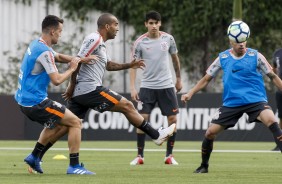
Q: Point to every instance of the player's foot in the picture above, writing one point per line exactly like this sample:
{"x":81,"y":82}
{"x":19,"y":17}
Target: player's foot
{"x":34,"y":164}
{"x":276,"y":149}
{"x":79,"y":169}
{"x":170,"y":160}
{"x":31,"y":171}
{"x":202,"y":169}
{"x":137,"y":161}
{"x":165,"y":133}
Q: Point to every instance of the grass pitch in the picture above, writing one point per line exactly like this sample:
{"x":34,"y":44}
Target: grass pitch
{"x":230,"y":163}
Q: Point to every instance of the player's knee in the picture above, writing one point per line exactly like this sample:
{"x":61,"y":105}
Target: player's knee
{"x":209,"y":134}
{"x":128,"y":106}
{"x":76,"y":123}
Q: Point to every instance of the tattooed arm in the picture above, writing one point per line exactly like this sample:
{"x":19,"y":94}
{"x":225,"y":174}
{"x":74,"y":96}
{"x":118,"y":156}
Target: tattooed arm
{"x":113,"y":66}
{"x":176,"y":66}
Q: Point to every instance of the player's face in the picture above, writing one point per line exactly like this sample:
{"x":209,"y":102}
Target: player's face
{"x":153,"y":26}
{"x":56,"y":33}
{"x":113,"y":29}
{"x":238,"y":49}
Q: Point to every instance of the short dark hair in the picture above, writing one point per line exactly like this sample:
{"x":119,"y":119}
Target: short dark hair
{"x":153,"y":15}
{"x":105,"y":18}
{"x":51,"y":21}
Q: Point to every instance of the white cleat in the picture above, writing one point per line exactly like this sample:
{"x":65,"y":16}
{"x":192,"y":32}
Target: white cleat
{"x":137,"y":161}
{"x":165,"y":133}
{"x":170,"y":160}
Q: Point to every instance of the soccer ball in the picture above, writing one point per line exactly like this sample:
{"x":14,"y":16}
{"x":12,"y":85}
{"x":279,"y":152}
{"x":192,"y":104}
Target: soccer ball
{"x":238,"y":31}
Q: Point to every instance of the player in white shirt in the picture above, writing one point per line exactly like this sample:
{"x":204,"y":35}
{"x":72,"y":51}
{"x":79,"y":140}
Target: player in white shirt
{"x":155,"y":48}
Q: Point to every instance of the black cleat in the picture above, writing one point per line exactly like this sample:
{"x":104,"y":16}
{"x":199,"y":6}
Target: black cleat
{"x":202,"y":169}
{"x":276,"y":149}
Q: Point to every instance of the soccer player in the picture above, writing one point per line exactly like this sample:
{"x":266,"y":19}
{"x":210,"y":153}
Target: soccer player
{"x":86,"y":90}
{"x":244,"y":92}
{"x":277,"y":62}
{"x":37,"y":70}
{"x":157,"y":86}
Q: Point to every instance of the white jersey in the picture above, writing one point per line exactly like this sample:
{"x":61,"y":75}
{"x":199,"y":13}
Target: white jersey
{"x":156,"y":54}
{"x":90,"y":75}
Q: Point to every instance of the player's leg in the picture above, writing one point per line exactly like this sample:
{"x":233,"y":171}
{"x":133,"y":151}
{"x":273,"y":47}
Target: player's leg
{"x":126,"y":107}
{"x":207,"y":147}
{"x":278,"y":97}
{"x":169,"y":158}
{"x":74,"y":139}
{"x":268,"y":118}
{"x":168,"y":104}
{"x":141,"y":137}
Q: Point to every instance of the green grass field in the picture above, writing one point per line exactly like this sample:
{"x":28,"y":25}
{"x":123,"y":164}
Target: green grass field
{"x":111,"y":160}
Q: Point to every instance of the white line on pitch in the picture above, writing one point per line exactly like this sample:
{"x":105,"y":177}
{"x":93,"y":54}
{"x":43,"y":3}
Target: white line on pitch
{"x":149,"y":150}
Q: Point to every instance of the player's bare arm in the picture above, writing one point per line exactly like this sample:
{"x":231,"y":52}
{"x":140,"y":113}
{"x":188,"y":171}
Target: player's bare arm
{"x":275,"y":79}
{"x":113,"y":66}
{"x":58,"y":78}
{"x":199,"y":86}
{"x":70,"y":89}
{"x":176,"y":66}
{"x":133,"y":91}
{"x":62,"y":58}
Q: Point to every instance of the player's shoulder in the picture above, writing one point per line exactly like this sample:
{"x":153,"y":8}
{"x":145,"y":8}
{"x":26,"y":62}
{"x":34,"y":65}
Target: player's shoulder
{"x":93,"y":36}
{"x":252,"y":52}
{"x":142,"y":37}
{"x":165,"y":35}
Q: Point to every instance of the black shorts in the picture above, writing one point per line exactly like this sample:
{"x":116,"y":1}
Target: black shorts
{"x":166,"y":99}
{"x":229,"y":116}
{"x":278,"y":97}
{"x":101,"y":99}
{"x":48,"y":113}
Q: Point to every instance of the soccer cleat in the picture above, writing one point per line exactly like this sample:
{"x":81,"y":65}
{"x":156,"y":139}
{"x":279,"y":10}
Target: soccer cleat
{"x":276,"y":149}
{"x":137,"y":161}
{"x":202,"y":169}
{"x":165,"y":133}
{"x":79,"y":169}
{"x":34,"y":164}
{"x":31,"y":171}
{"x":170,"y":160}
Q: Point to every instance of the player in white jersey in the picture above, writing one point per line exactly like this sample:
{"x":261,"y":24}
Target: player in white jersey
{"x":86,"y":91}
{"x":156,"y":48}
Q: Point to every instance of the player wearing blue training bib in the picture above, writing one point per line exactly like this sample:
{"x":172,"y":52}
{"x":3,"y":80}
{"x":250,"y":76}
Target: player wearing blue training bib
{"x":244,"y":92}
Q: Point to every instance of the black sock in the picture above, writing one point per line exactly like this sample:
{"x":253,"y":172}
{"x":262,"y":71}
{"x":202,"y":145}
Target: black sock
{"x":49,"y":145}
{"x":74,"y":159}
{"x":141,"y":144}
{"x":37,"y":149}
{"x":170,"y":144}
{"x":276,"y":132}
{"x":207,"y":147}
{"x":146,"y":127}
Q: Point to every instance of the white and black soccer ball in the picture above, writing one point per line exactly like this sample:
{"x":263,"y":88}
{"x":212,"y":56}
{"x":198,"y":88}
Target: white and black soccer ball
{"x":238,"y":31}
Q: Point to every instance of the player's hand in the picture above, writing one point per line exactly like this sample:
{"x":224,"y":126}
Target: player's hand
{"x":137,"y":64}
{"x":74,"y":63}
{"x":186,"y":97}
{"x":134,"y":95}
{"x":68,"y":93}
{"x":92,"y":59}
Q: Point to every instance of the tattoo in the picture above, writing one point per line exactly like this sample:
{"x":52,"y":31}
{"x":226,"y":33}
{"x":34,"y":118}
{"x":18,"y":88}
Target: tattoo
{"x":176,"y":66}
{"x":112,"y":66}
{"x":271,"y":75}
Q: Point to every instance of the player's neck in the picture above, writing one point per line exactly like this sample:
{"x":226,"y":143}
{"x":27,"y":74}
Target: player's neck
{"x":46,"y":40}
{"x":155,"y":35}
